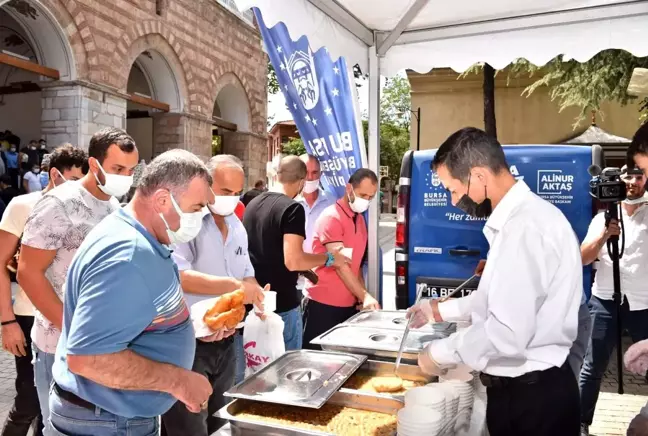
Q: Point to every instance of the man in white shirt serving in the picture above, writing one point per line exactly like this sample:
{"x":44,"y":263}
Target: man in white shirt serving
{"x":634,"y":287}
{"x":524,"y":314}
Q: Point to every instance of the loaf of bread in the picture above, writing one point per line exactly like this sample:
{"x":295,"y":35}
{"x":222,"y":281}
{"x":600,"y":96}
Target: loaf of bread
{"x":227,"y":312}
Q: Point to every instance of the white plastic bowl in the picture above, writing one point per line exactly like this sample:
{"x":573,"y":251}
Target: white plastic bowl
{"x":426,"y":396}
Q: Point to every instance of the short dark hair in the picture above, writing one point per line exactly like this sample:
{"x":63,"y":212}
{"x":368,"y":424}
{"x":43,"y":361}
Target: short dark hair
{"x":13,"y":140}
{"x":469,"y":148}
{"x":68,"y":156}
{"x":639,"y":144}
{"x":104,"y":138}
{"x":259,"y":183}
{"x":5,"y":179}
{"x":361,"y":174}
{"x":291,"y":170}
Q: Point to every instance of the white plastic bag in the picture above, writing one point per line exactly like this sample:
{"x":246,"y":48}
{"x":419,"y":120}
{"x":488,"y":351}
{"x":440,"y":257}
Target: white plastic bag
{"x":263,"y":341}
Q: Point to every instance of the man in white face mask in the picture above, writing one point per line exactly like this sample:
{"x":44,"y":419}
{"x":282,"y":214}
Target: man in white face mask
{"x":214,"y":263}
{"x":340,"y":292}
{"x":313,"y":198}
{"x":56,"y":227}
{"x":127,"y":345}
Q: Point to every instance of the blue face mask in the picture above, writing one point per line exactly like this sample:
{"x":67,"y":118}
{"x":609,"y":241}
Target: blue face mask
{"x":44,"y":179}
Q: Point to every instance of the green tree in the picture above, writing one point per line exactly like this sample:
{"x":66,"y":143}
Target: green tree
{"x":396,"y":102}
{"x":587,"y":85}
{"x":489,"y":73}
{"x":295,"y":147}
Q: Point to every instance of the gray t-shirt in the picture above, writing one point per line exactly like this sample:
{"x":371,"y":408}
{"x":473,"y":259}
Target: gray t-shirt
{"x":60,"y":221}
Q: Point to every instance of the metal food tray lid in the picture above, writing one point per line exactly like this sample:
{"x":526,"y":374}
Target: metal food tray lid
{"x":374,"y":338}
{"x":304,"y":378}
{"x":395,"y":320}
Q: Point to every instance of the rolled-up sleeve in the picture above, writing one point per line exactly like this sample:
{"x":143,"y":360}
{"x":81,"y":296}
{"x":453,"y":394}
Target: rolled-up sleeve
{"x":511,"y":318}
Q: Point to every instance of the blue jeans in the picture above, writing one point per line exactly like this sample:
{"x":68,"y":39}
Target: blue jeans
{"x":602,"y":342}
{"x":579,"y":348}
{"x":68,"y":419}
{"x":293,"y":329}
{"x":240,"y":358}
{"x":43,"y":379}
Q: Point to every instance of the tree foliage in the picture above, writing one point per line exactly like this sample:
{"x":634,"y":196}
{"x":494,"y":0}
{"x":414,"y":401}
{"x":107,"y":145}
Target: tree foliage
{"x":587,"y":85}
{"x":394,"y":142}
{"x":396,"y":102}
{"x":295,"y":147}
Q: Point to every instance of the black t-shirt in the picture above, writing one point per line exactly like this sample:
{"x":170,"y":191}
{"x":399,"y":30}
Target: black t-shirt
{"x":250,"y":195}
{"x":267,"y":219}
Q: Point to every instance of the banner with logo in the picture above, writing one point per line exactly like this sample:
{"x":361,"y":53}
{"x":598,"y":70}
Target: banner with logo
{"x":320,"y":97}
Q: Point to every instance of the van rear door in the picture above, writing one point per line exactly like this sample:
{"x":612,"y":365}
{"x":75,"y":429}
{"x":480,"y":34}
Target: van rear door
{"x":442,"y":245}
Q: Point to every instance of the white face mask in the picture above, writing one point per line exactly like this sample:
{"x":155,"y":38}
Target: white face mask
{"x":190,"y":225}
{"x":311,"y":186}
{"x":224,"y":205}
{"x":115,"y":185}
{"x":359,"y":205}
{"x":634,"y":201}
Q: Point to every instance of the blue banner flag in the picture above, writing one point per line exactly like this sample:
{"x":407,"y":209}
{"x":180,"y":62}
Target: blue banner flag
{"x":319,"y":96}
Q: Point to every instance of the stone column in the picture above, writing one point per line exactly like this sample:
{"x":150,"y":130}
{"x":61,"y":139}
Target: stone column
{"x":73,"y":113}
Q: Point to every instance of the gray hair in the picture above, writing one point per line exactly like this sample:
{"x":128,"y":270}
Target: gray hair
{"x":172,"y":170}
{"x":224,"y":160}
{"x":307,"y":157}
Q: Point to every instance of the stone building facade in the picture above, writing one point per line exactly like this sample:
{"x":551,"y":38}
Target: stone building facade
{"x":174,"y":73}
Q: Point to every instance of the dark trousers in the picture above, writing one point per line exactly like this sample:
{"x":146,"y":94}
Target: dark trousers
{"x":217,"y":362}
{"x":548,"y":406}
{"x":602,"y":343}
{"x":318,"y":318}
{"x":26,"y":409}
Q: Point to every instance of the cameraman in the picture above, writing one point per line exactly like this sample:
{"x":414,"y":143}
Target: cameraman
{"x":634,"y":287}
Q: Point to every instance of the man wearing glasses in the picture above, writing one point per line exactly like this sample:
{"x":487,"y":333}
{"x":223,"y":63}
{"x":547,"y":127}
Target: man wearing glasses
{"x":634,"y":287}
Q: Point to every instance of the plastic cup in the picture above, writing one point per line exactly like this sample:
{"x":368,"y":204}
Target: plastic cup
{"x":269,"y":301}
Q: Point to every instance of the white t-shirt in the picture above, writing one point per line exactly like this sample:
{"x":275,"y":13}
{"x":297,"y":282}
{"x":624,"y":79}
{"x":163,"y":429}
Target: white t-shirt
{"x":13,"y":221}
{"x":632,"y":266}
{"x":61,"y":221}
{"x":33,"y":180}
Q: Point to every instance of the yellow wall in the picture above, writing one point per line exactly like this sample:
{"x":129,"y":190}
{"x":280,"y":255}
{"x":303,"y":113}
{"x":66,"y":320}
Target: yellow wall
{"x":448,"y":104}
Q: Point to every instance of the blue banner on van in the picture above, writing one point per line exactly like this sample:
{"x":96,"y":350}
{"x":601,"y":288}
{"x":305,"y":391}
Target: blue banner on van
{"x":445,"y":245}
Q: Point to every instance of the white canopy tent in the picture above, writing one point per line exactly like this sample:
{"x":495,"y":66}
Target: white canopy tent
{"x":387,"y":36}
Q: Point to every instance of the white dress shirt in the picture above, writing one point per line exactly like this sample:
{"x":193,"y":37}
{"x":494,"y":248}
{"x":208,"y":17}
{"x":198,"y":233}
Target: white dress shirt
{"x":322,"y":201}
{"x":524,"y":314}
{"x":632,"y":266}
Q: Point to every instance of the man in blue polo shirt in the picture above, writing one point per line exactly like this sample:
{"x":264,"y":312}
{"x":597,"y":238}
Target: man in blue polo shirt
{"x":127,"y":345}
{"x":214,"y":263}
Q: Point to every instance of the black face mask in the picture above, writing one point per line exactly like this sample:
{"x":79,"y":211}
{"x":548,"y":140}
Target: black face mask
{"x":474,"y":209}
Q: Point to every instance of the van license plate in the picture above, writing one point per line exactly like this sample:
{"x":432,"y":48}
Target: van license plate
{"x":438,"y":289}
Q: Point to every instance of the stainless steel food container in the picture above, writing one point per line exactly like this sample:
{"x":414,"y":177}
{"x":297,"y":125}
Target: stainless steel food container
{"x":304,"y":378}
{"x":356,"y":400}
{"x":375,"y":342}
{"x":396,"y":320}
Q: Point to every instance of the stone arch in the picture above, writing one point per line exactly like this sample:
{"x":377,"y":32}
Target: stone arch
{"x":56,"y":36}
{"x":226,"y":77}
{"x":157,"y":37}
{"x":233,"y":102}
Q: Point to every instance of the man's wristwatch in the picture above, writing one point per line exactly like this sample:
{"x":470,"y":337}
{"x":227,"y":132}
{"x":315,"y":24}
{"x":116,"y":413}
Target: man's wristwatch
{"x":330,"y":260}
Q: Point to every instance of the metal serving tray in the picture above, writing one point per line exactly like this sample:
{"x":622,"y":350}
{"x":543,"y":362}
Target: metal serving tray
{"x":304,"y":378}
{"x":357,"y":400}
{"x":396,"y":320}
{"x":375,"y":342}
{"x":376,"y":368}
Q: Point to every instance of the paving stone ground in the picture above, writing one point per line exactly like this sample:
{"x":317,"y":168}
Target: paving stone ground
{"x":613,"y":411}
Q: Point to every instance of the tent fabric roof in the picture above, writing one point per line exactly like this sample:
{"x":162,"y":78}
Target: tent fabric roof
{"x":459,"y":33}
{"x":595,"y":135}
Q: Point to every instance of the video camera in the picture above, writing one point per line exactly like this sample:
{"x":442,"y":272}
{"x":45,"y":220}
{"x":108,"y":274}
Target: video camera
{"x":606,"y":185}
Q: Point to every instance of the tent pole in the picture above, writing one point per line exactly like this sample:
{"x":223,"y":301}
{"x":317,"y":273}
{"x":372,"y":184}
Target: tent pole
{"x":374,"y":164}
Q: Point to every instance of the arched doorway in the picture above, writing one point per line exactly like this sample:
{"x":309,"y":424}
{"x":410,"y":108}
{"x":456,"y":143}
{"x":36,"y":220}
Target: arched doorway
{"x":230,"y":116}
{"x":33,"y":51}
{"x":153,"y":92}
